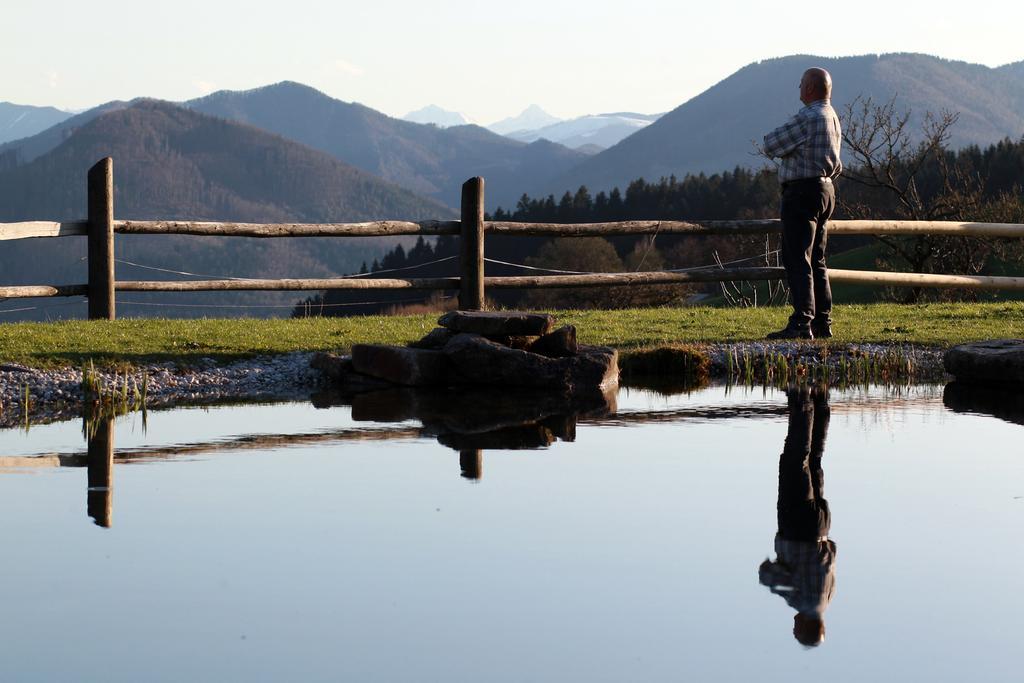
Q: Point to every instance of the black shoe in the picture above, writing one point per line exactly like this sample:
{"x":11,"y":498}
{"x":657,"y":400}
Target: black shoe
{"x":790,"y":333}
{"x":821,"y":330}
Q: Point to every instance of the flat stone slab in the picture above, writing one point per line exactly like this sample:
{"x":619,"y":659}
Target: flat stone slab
{"x":506,"y":323}
{"x":998,"y":361}
{"x":400,"y":364}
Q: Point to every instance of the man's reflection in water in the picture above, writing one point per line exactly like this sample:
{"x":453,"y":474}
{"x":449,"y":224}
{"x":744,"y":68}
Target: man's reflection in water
{"x":804,"y":568}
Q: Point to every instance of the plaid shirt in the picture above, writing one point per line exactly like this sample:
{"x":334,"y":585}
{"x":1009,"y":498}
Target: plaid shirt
{"x":808,"y":144}
{"x":803,"y":574}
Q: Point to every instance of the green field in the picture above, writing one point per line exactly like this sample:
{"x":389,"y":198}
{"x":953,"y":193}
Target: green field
{"x":185,"y":341}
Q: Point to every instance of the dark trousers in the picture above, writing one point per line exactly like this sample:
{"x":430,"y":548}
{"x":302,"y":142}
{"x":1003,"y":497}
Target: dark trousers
{"x":806,"y":207}
{"x":803,"y":511}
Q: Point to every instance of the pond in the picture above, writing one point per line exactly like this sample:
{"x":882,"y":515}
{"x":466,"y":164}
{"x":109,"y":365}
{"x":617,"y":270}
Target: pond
{"x":693,"y":536}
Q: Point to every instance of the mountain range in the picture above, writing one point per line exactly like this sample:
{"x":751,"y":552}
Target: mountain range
{"x":716,"y":129}
{"x":589,"y":134}
{"x":172,"y":162}
{"x":595,"y":131}
{"x":20,"y":121}
{"x":431,"y":161}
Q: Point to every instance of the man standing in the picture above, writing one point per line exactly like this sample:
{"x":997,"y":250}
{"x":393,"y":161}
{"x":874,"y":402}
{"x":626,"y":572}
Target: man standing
{"x":808,"y":147}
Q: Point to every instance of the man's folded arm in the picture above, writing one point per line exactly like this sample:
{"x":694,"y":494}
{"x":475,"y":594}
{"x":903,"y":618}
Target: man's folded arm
{"x":785,"y":139}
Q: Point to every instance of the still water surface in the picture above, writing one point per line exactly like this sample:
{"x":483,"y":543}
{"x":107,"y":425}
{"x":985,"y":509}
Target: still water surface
{"x":282,"y":542}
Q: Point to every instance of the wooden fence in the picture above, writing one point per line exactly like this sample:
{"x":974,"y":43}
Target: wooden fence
{"x":100,"y":228}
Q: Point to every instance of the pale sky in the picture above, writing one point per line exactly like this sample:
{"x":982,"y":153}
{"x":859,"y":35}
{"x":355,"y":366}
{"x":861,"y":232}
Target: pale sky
{"x":487,"y":60}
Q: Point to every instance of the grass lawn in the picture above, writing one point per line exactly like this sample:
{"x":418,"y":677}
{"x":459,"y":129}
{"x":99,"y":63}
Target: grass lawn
{"x":138,"y":340}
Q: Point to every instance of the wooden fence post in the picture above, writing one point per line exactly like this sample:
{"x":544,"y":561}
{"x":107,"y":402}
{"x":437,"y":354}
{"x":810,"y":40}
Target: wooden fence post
{"x":101,"y":240}
{"x":471,"y":244}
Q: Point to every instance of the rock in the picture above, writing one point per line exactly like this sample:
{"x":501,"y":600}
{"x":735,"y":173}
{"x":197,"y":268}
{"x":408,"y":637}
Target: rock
{"x":593,"y":367}
{"x":998,"y":361}
{"x":476,"y":360}
{"x":520,"y":438}
{"x":1003,"y":402}
{"x":435,"y":339}
{"x":508,"y":323}
{"x":521,"y":341}
{"x":400,"y":365}
{"x":390,"y":405}
{"x":557,"y":344}
{"x":502,"y":339}
{"x":332,"y":365}
{"x":342,"y":376}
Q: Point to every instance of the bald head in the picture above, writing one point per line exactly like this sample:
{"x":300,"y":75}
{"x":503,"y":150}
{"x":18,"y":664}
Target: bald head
{"x":815,"y":85}
{"x":808,"y":630}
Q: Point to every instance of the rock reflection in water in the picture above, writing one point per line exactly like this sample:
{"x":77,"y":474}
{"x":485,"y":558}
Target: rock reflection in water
{"x":471,"y":421}
{"x":998,"y":401}
{"x":804,"y":569}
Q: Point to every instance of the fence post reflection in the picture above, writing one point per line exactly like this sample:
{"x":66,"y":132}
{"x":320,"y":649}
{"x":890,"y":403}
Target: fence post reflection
{"x":100,"y":495}
{"x":472,"y":463}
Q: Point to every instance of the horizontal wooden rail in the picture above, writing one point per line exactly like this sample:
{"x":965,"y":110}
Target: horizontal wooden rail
{"x":560,"y":281}
{"x":26,"y":291}
{"x":753,"y":227}
{"x":370,"y":229}
{"x":942,"y":228}
{"x":20,"y":231}
{"x":284,"y":285}
{"x":525,"y":282}
{"x":633,"y":228}
{"x":14,"y":231}
{"x":926,"y":279}
{"x":626,"y":279}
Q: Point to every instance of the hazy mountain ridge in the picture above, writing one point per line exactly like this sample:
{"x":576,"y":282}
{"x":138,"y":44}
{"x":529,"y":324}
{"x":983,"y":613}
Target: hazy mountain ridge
{"x":603,"y":130}
{"x":433,"y":114}
{"x":21,"y":120}
{"x":426,"y":159}
{"x":171,"y":162}
{"x":531,"y":118}
{"x":27,"y":149}
{"x":1015,"y":70}
{"x":715,"y":130}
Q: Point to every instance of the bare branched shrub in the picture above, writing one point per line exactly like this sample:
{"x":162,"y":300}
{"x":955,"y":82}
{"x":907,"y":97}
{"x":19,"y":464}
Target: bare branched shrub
{"x":900,"y":173}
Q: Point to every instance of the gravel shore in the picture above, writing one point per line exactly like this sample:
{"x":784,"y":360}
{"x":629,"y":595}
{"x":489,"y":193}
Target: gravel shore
{"x":57,"y":393}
